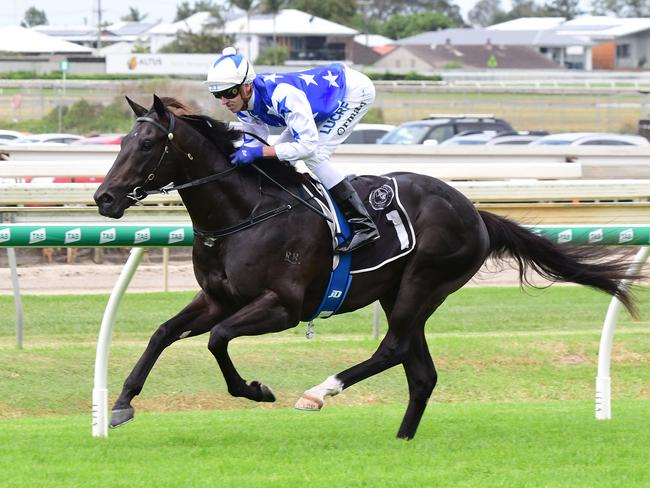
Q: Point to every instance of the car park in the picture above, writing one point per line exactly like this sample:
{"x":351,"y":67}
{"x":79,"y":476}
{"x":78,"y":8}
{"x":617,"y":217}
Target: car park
{"x":440,"y":127}
{"x":368,"y":133}
{"x":7,"y":136}
{"x":591,"y":139}
{"x":51,"y":139}
{"x":110,"y":139}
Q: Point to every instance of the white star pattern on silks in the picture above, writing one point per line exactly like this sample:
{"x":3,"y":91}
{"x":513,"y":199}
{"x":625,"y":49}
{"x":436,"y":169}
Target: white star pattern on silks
{"x":272,"y":111}
{"x":271,"y":77}
{"x":309,"y":79}
{"x":331,"y":78}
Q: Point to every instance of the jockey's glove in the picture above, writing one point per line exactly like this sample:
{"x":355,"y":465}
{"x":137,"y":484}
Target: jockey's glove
{"x":245,"y":155}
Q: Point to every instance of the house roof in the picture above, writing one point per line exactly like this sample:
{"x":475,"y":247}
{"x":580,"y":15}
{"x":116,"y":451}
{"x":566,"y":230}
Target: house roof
{"x":475,"y":37}
{"x":373,"y":40}
{"x":21,"y":40}
{"x":477,"y":56}
{"x":529,"y":23}
{"x":194,"y":23}
{"x":75,"y":33}
{"x":288,"y":22}
{"x":600,"y":27}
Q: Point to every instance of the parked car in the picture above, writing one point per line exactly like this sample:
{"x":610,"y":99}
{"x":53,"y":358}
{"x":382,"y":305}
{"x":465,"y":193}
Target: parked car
{"x":368,"y":133}
{"x":470,"y":138}
{"x":516,"y":138}
{"x":7,"y":136}
{"x":438,"y":128}
{"x":99,"y":139}
{"x":591,"y":139}
{"x":56,"y":139}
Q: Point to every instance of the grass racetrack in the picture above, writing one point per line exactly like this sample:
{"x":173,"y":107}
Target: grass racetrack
{"x":513,"y":406}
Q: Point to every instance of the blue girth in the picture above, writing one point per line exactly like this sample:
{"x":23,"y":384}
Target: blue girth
{"x":340,"y":278}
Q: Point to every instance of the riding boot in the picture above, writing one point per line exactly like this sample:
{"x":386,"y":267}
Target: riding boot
{"x":364,"y":230}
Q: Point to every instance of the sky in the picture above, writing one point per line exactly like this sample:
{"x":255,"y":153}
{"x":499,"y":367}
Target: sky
{"x":85,"y":11}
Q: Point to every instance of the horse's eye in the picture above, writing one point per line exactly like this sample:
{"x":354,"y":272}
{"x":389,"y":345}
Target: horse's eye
{"x":146,"y":145}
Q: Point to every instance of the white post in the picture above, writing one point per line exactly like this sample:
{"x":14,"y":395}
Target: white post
{"x":603,"y":380}
{"x":100,"y":386}
{"x":375,"y":320}
{"x":13,"y":267}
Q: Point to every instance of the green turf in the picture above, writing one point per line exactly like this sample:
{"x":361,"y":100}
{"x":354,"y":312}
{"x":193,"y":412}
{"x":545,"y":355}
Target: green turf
{"x":513,"y":407}
{"x":481,"y":445}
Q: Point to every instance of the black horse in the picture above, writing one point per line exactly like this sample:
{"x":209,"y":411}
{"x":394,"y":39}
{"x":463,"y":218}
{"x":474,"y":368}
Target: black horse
{"x":250,"y":287}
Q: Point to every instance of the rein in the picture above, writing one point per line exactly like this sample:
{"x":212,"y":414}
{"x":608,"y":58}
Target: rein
{"x":138,"y":193}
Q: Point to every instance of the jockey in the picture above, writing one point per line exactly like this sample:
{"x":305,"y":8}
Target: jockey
{"x":319,"y":107}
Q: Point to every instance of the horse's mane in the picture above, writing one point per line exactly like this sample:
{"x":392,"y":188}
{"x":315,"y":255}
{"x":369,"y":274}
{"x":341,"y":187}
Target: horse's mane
{"x":223,"y":137}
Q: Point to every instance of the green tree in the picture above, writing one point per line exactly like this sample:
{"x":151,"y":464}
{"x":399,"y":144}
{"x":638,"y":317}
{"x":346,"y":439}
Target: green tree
{"x":273,"y":7}
{"x":484,"y":12}
{"x":621,"y":8}
{"x":381,"y":10}
{"x":249,"y":7}
{"x":185,"y":10}
{"x":134,"y":15}
{"x":339,"y":11}
{"x":522,"y":8}
{"x":563,"y":8}
{"x":400,"y":26}
{"x":34,"y":17}
{"x":206,"y":41}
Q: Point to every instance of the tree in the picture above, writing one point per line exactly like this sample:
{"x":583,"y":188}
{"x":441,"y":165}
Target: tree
{"x":400,"y":26}
{"x":185,"y":10}
{"x":34,"y":17}
{"x":196,"y":43}
{"x":563,"y":8}
{"x":273,"y":7}
{"x":381,"y":10}
{"x":621,"y":8}
{"x":134,"y":15}
{"x":247,"y":6}
{"x":522,"y":8}
{"x":339,"y":11}
{"x":484,"y":12}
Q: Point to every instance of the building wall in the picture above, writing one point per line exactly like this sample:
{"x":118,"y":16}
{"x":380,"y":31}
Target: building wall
{"x":402,"y":60}
{"x":638,"y":50}
{"x":603,"y":56}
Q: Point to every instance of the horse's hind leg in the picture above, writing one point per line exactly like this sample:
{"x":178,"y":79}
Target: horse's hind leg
{"x":422,"y":377}
{"x":197,"y":318}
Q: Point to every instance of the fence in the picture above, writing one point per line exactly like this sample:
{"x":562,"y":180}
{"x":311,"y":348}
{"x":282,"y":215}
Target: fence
{"x":164,"y":223}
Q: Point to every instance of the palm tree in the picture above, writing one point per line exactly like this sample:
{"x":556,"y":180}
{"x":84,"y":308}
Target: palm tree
{"x":134,"y":15}
{"x":247,"y":6}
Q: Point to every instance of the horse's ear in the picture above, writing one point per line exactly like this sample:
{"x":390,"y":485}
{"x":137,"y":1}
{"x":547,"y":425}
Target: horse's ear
{"x":159,"y":106}
{"x":139,"y":110}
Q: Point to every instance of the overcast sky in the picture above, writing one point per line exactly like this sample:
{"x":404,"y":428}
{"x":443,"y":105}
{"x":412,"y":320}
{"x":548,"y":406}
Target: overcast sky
{"x":85,"y":11}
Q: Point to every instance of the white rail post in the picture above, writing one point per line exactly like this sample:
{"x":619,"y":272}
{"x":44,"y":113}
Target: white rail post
{"x":100,"y":386}
{"x":603,"y":380}
{"x":13,"y":266}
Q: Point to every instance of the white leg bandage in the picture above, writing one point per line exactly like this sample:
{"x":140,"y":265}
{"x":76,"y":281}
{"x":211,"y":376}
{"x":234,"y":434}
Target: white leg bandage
{"x":330,"y":387}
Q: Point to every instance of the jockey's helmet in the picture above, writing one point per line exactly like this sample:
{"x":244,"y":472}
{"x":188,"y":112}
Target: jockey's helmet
{"x":229,"y":70}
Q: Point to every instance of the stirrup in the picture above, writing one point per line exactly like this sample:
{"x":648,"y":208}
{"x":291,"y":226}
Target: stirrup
{"x":347,"y":247}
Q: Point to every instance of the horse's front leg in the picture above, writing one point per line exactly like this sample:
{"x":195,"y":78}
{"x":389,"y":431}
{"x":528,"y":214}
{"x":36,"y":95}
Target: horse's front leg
{"x":197,"y":318}
{"x":263,"y":315}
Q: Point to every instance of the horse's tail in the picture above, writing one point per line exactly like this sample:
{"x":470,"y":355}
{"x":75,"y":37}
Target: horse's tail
{"x":585,"y":265}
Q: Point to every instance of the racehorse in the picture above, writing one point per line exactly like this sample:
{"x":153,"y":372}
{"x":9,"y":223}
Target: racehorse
{"x":262,"y":275}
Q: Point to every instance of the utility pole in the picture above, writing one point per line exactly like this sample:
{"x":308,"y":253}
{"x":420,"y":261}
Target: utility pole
{"x":99,"y":25}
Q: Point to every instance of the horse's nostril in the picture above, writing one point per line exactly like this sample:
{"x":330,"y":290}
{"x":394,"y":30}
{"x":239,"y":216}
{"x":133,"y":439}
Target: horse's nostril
{"x":104,"y":199}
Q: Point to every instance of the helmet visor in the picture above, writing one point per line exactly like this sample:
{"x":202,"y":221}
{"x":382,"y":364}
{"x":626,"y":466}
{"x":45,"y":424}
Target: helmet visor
{"x":228,"y":93}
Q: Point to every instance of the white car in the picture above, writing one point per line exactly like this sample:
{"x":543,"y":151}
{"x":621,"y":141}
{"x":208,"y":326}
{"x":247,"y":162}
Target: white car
{"x":368,"y":133}
{"x":7,"y":136}
{"x":590,"y":139}
{"x":52,"y":139}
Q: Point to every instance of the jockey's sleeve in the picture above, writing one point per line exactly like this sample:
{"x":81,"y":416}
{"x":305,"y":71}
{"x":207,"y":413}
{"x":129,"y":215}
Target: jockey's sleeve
{"x":254,"y":126}
{"x":291,"y":104}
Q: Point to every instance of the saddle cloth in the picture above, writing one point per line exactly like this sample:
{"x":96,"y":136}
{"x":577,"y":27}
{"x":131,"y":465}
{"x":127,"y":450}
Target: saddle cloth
{"x":380,"y":195}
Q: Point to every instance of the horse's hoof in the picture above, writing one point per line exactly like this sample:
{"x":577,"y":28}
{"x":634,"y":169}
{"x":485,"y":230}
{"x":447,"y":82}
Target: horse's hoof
{"x":309,"y":403}
{"x":121,"y":416}
{"x":267,"y":393}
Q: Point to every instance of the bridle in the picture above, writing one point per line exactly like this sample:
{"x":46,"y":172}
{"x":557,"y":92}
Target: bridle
{"x":139,"y":193}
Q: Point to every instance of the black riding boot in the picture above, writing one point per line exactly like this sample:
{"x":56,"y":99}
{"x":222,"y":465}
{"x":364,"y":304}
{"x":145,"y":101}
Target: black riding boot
{"x":364,"y":230}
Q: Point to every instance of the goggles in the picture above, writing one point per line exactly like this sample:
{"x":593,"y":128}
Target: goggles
{"x":233,"y":91}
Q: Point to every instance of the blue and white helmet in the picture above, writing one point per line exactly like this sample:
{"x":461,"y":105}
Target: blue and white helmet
{"x":228,"y":70}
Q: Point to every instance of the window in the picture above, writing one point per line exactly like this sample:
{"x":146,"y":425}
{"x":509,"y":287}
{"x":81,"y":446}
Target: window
{"x":623,"y":51}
